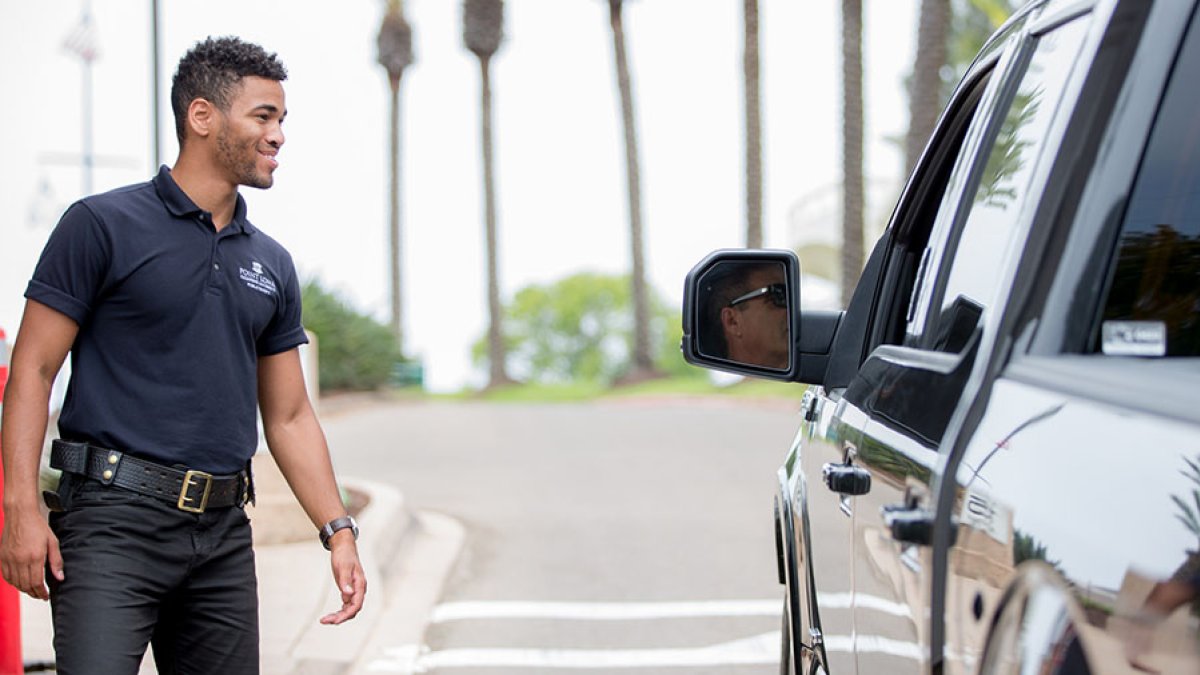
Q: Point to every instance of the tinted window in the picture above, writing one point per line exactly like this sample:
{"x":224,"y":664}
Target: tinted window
{"x":989,"y":232}
{"x":1153,"y":303}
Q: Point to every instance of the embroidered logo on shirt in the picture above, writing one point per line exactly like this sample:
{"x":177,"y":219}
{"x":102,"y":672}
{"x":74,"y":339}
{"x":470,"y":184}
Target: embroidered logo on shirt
{"x":256,"y":279}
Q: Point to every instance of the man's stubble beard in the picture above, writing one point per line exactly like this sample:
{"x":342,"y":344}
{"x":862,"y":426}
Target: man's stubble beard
{"x":244,"y":171}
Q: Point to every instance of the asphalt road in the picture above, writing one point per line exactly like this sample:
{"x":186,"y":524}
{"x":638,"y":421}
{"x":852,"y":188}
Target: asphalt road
{"x":622,"y":537}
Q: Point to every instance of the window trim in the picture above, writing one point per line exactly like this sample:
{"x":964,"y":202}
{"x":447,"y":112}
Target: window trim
{"x":948,"y":232}
{"x":896,"y":301}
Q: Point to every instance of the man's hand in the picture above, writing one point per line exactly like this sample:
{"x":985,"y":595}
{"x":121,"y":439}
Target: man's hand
{"x":349,"y":577}
{"x":25,"y":547}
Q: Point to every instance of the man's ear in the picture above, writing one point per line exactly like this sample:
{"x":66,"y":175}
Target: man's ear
{"x":731,"y":321}
{"x":202,"y":117}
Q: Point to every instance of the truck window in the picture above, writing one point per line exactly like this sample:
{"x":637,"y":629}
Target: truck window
{"x":1152,"y":306}
{"x":988,"y":236}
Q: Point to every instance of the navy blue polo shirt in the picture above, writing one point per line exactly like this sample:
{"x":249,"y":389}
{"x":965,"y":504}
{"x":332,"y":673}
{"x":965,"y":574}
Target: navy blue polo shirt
{"x":172,"y":316}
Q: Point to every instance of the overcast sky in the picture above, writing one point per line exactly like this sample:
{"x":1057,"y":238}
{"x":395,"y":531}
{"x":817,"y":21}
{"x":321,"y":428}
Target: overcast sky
{"x":559,"y":155}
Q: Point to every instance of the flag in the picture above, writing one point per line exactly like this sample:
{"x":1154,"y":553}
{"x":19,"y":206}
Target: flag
{"x":83,"y":40}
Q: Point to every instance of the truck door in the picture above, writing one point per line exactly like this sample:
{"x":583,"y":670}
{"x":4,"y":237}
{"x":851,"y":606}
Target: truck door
{"x":910,"y":391}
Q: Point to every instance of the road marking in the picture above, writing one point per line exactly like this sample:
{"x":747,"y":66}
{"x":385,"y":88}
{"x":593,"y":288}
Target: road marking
{"x":759,"y":649}
{"x":604,"y":611}
{"x":755,"y":650}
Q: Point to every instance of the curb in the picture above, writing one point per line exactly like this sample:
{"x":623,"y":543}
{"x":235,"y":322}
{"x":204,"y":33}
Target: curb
{"x":296,"y":589}
{"x":414,"y":583}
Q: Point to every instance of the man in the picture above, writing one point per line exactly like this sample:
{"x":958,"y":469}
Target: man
{"x":180,"y":316}
{"x":746,"y":315}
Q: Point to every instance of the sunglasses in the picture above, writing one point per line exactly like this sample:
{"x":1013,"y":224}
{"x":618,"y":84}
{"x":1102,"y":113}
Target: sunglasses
{"x":776,"y":293}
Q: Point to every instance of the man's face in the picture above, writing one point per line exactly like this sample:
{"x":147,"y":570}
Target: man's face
{"x":251,"y":132}
{"x":760,"y":327}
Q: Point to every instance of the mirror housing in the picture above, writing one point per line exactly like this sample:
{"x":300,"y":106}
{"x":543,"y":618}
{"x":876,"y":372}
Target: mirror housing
{"x":807,"y":338}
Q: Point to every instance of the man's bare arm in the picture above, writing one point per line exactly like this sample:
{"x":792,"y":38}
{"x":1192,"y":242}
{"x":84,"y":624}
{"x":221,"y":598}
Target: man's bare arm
{"x":298,"y":445}
{"x":27,"y":543}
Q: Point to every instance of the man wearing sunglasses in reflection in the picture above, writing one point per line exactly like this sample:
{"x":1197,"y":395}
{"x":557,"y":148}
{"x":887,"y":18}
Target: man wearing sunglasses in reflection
{"x":751,"y":306}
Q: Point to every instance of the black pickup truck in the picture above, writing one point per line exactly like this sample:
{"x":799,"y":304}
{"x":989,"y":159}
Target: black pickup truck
{"x":998,"y":466}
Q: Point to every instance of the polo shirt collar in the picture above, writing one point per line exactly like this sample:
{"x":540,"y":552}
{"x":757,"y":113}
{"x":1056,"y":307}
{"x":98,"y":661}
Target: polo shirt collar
{"x":180,"y":205}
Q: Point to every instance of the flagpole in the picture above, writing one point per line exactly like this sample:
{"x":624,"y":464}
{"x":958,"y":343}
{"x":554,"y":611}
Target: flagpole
{"x":88,"y":160}
{"x":154,"y":108}
{"x":88,"y":56}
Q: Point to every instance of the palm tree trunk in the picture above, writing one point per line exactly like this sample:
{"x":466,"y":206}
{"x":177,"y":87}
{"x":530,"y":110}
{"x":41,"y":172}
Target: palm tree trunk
{"x":394,"y":215}
{"x":643,"y":363}
{"x":925,"y":86}
{"x":852,"y":147}
{"x":498,"y":375}
{"x":750,"y":63}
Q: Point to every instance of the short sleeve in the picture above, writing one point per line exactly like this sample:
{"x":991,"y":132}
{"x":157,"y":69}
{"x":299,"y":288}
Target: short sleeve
{"x":285,"y":330}
{"x":71,"y":272}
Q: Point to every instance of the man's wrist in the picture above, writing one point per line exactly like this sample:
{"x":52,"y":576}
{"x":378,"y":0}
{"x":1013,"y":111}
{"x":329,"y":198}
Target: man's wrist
{"x":336,"y":528}
{"x":16,"y":505}
{"x":341,"y":538}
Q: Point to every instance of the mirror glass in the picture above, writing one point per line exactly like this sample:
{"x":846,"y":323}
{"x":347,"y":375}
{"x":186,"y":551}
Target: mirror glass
{"x":742,"y":314}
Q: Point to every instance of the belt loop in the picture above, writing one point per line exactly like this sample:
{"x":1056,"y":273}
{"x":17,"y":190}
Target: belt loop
{"x":248,"y":484}
{"x":69,"y":456}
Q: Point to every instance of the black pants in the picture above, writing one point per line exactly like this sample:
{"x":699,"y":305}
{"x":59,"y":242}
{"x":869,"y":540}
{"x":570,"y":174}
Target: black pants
{"x":139,"y":571}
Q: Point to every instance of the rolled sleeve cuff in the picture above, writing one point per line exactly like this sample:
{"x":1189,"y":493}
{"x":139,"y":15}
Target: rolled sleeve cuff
{"x":282,"y":343}
{"x":57,"y":300}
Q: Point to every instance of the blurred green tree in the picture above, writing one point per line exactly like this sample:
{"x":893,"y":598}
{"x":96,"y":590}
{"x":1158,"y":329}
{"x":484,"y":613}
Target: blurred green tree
{"x":580,"y":329}
{"x":949,"y":34}
{"x":753,"y":122}
{"x":356,"y":351}
{"x":483,"y":33}
{"x":643,"y":359}
{"x":925,"y":85}
{"x":852,"y":146}
{"x":395,"y":53}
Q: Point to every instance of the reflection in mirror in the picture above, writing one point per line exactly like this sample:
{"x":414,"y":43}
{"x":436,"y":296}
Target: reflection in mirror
{"x":742,"y":312}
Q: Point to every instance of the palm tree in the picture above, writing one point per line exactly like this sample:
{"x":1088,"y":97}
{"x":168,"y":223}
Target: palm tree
{"x":483,"y":31}
{"x":754,"y":238}
{"x":852,"y":147}
{"x":643,"y":362}
{"x":925,"y":86}
{"x":395,"y":54}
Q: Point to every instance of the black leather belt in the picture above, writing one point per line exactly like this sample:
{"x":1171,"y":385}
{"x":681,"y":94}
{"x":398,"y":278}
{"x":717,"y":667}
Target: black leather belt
{"x":189,"y":490}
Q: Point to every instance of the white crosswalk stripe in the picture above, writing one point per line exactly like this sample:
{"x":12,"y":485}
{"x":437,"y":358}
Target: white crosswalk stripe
{"x":604,"y":611}
{"x":758,"y":649}
{"x":761,"y":649}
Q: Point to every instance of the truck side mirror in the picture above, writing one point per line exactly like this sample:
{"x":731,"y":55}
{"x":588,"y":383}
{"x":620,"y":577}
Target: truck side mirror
{"x":741,"y":314}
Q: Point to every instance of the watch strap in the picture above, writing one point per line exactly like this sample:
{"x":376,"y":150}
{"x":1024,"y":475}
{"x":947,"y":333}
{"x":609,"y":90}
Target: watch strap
{"x":336,"y":525}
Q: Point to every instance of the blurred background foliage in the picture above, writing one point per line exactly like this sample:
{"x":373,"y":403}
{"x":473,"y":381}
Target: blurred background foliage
{"x":580,"y":328}
{"x":356,"y":352}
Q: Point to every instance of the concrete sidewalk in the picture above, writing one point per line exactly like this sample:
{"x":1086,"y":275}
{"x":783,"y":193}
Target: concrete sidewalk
{"x":406,"y":558}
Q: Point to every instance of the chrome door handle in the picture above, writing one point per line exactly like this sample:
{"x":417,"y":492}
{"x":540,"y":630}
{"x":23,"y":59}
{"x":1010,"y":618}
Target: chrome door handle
{"x":846,"y":479}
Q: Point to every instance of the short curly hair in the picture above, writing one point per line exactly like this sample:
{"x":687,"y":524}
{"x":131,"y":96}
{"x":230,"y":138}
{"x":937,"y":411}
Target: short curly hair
{"x":213,"y":68}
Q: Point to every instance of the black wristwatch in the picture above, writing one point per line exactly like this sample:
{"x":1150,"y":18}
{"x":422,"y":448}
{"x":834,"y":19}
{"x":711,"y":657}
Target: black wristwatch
{"x":336,"y":525}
